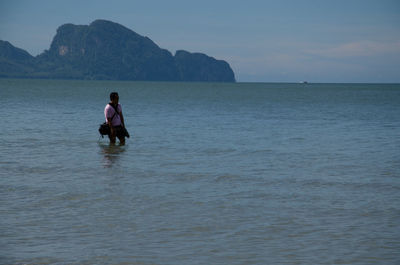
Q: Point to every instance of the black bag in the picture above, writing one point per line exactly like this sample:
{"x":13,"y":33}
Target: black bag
{"x":104,"y":129}
{"x":126,"y":132}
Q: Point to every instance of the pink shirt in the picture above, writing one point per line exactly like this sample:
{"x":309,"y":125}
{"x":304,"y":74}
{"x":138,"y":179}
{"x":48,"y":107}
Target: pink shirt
{"x":109,"y":112}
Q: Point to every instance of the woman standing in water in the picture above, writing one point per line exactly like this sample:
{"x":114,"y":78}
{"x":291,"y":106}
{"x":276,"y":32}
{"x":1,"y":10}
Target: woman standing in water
{"x":115,"y":119}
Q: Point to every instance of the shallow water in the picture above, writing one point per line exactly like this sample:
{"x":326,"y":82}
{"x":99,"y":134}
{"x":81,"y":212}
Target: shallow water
{"x":213,"y":174}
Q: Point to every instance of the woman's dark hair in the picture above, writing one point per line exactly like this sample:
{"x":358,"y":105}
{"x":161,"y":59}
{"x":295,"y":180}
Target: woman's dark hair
{"x":113,"y":95}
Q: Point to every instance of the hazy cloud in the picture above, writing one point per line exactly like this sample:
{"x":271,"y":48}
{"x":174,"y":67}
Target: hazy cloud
{"x":357,"y":49}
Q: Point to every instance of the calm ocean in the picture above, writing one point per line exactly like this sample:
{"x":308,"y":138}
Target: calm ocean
{"x":239,"y":173}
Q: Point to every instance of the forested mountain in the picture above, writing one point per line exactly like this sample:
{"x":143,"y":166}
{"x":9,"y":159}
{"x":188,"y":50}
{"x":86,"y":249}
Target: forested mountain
{"x":109,"y":51}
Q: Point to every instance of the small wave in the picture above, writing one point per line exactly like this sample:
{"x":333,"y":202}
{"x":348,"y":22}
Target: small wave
{"x":226,"y":177}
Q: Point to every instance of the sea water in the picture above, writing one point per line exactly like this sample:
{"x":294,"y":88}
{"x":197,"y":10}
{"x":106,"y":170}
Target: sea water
{"x":239,"y":173}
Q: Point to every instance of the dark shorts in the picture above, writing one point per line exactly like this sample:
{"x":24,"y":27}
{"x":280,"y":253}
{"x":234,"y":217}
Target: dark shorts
{"x":119,"y":131}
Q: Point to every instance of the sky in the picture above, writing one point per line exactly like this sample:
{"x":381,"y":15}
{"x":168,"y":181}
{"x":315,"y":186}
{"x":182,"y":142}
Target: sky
{"x":332,"y":41}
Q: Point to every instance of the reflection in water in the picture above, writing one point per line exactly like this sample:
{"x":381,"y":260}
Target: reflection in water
{"x":111,"y":153}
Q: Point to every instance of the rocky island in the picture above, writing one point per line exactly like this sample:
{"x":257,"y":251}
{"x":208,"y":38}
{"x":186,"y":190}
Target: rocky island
{"x":105,"y":50}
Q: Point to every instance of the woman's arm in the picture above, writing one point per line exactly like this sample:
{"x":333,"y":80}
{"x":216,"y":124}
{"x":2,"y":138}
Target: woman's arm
{"x":122,"y":119}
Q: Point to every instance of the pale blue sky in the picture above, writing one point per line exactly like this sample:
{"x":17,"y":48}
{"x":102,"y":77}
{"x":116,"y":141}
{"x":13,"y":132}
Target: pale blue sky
{"x":263,"y":41}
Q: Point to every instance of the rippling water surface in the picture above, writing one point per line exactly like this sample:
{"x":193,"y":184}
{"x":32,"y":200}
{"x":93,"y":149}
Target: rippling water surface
{"x":213,"y":174}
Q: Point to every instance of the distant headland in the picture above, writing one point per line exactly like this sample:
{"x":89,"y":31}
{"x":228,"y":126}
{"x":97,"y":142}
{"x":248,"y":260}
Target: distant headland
{"x":105,"y":50}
